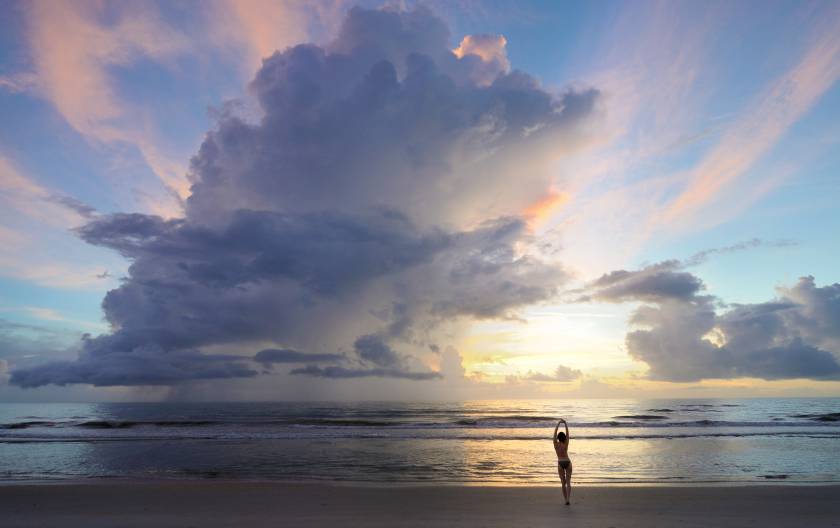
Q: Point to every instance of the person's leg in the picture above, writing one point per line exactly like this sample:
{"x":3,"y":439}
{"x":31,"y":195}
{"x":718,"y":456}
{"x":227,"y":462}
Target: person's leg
{"x":569,"y":482}
{"x":562,"y":473}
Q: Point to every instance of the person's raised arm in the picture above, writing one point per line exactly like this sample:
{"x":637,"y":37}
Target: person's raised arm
{"x":567,"y":432}
{"x":554,"y":436}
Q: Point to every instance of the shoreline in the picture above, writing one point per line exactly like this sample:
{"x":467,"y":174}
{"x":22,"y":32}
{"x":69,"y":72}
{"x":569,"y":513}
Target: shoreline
{"x":93,"y":481}
{"x":246,"y":503}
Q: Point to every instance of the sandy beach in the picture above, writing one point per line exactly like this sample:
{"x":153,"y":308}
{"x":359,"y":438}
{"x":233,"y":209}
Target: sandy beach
{"x":220,"y":503}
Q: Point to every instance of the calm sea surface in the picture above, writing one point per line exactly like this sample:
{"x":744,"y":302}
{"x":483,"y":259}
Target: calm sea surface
{"x":495,"y":442}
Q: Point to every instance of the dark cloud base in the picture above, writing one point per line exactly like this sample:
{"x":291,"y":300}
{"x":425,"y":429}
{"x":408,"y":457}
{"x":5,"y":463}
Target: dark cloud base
{"x":271,"y":356}
{"x":335,"y":372}
{"x":142,"y":366}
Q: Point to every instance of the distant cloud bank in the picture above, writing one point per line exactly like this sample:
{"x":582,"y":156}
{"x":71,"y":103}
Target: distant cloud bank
{"x":682,"y":337}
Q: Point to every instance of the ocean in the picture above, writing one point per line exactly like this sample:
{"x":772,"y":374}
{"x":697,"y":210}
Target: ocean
{"x":507,"y":442}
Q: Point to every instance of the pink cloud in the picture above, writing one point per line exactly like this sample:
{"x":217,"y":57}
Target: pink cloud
{"x":623,"y":193}
{"x":490,"y":49}
{"x":258,"y":28}
{"x":760,"y":128}
{"x":73,"y":46}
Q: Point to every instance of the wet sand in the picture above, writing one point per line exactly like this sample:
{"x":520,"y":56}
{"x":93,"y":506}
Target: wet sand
{"x":244,"y":504}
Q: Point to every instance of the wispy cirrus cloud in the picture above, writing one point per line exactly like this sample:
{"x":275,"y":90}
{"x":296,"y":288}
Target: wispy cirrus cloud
{"x":79,"y":50}
{"x":27,"y":197}
{"x":19,"y":82}
{"x":649,"y":65}
{"x":76,"y":45}
{"x":258,"y":28}
{"x":761,"y":126}
{"x":34,"y":223}
{"x":665,"y":168}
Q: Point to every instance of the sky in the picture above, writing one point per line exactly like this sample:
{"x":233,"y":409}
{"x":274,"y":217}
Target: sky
{"x":283,"y":200}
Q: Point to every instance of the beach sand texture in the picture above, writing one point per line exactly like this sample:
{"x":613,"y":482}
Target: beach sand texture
{"x":244,"y":504}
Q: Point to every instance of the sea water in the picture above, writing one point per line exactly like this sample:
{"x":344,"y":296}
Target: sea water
{"x":478,"y":442}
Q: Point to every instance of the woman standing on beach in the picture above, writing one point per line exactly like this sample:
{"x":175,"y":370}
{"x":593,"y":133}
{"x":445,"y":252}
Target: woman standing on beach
{"x":564,"y":463}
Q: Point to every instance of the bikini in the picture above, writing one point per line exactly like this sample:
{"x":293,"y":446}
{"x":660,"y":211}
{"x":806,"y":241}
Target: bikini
{"x":564,"y":463}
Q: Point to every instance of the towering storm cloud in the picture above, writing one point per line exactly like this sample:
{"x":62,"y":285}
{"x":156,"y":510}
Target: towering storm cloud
{"x":378,"y":199}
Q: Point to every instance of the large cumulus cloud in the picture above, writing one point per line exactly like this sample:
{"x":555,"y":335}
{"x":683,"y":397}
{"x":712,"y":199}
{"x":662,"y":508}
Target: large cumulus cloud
{"x":684,"y":334}
{"x":378,"y":198}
